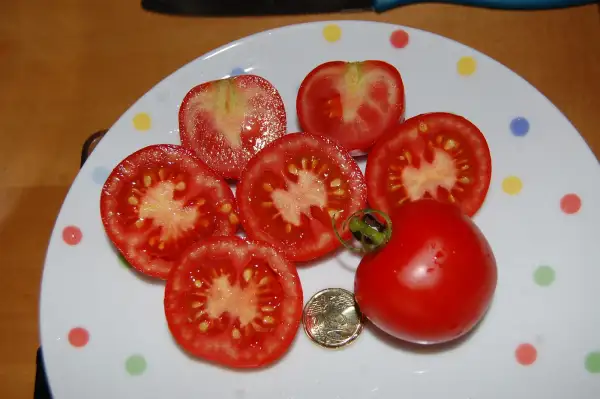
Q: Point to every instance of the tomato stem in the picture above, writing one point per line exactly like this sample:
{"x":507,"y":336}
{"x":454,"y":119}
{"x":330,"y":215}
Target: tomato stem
{"x":367,"y":230}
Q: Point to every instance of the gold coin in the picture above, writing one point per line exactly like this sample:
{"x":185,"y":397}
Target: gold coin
{"x":332,"y":318}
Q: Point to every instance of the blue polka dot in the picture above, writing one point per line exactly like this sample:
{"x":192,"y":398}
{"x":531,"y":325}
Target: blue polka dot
{"x":100,"y":174}
{"x":237,"y":71}
{"x":519,"y":126}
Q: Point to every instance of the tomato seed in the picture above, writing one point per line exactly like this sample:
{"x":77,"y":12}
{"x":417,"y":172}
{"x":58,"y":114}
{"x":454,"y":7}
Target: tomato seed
{"x":247,"y":274}
{"x":267,"y":187}
{"x":450,"y":144}
{"x":335,"y":183}
{"x":293,"y":169}
{"x":133,"y":200}
{"x":198,"y":283}
{"x":268,"y":320}
{"x":161,"y":174}
{"x":235,"y":333}
{"x":226,"y":208}
{"x":233,"y":219}
{"x":267,"y":204}
{"x":396,"y":187}
{"x":196,"y":305}
{"x":339,"y":192}
{"x":464,"y":180}
{"x":201,"y":202}
{"x":288,"y":228}
{"x":304,"y":163}
{"x":263,"y":281}
{"x":147,"y":181}
{"x":180,"y":186}
{"x":267,"y":309}
{"x":203,"y":326}
{"x":139,"y":223}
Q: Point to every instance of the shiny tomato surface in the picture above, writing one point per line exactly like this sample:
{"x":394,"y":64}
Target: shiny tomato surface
{"x":435,"y":278}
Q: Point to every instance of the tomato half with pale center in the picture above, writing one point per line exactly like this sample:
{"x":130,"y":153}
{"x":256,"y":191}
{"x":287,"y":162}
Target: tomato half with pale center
{"x":234,"y":302}
{"x":225,"y":122}
{"x":293,"y":190}
{"x":436,"y":155}
{"x":353,"y":103}
{"x":160,"y":200}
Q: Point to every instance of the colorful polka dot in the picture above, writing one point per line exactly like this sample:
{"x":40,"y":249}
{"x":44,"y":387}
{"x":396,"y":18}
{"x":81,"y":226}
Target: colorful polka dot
{"x":72,"y":235}
{"x":237,"y":71}
{"x":135,"y":365}
{"x":466,"y":66}
{"x":100,"y":174}
{"x":526,"y":354}
{"x":399,"y":38}
{"x":544,"y":276}
{"x":332,"y":33}
{"x":570,"y":204}
{"x":519,"y":126}
{"x":512,"y":185}
{"x":79,"y":337}
{"x":142,"y":121}
{"x":592,"y":362}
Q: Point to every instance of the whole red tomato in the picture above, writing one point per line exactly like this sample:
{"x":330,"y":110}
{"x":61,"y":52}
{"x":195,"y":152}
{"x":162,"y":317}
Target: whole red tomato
{"x":433,"y":280}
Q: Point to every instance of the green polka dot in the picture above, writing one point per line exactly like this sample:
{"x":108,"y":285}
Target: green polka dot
{"x":544,"y":276}
{"x":592,"y":362}
{"x":135,"y":365}
{"x":123,"y":262}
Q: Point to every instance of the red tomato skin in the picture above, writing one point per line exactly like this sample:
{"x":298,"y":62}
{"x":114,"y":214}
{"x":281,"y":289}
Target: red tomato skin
{"x":284,"y":335}
{"x":435,"y":279}
{"x":369,"y":138}
{"x":225,"y":160}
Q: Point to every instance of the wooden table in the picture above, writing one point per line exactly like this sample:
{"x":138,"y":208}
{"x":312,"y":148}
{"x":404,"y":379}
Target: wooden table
{"x":69,"y":68}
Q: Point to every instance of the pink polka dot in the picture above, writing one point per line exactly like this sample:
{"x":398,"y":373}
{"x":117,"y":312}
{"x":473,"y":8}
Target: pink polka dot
{"x":399,"y":38}
{"x":526,"y":354}
{"x":79,"y":337}
{"x":570,"y":203}
{"x":72,"y":235}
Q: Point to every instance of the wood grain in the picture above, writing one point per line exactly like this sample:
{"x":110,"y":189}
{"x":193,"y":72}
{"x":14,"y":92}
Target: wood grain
{"x":69,"y":68}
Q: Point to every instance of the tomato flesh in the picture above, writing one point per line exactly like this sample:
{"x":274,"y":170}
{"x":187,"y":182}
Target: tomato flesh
{"x":433,"y":281}
{"x":234,"y":302}
{"x":293,"y":190}
{"x":353,"y":103}
{"x":160,"y":200}
{"x":227,"y":121}
{"x":437,"y":155}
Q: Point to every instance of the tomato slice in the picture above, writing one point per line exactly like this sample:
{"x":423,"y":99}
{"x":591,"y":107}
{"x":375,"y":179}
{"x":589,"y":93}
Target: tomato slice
{"x":225,"y":122}
{"x":435,"y":155}
{"x":161,"y":199}
{"x":292,"y":191}
{"x":234,"y":302}
{"x":353,"y":103}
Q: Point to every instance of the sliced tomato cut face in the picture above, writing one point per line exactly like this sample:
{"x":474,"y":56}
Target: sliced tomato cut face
{"x":436,"y":155}
{"x":294,"y":189}
{"x":160,"y":200}
{"x":353,"y":103}
{"x":225,"y":122}
{"x":233,"y":302}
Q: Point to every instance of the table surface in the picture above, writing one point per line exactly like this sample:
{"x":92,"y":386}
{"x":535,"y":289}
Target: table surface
{"x":69,"y":68}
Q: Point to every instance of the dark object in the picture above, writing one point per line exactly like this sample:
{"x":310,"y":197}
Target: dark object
{"x":252,"y":7}
{"x":42,"y":389}
{"x":90,"y":144}
{"x":230,"y":8}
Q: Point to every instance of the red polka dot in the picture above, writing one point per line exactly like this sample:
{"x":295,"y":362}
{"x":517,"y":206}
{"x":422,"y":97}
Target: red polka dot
{"x":72,"y":235}
{"x":570,"y":203}
{"x":79,"y":337}
{"x":399,"y":38}
{"x":526,"y":354}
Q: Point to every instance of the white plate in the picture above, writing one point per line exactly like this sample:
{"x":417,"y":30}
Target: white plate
{"x":540,"y":339}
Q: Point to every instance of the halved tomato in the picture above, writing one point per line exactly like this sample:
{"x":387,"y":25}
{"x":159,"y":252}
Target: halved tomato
{"x":294,"y":189}
{"x":353,"y":103}
{"x":225,"y":122}
{"x":234,"y":302}
{"x":161,"y":199}
{"x":436,"y":155}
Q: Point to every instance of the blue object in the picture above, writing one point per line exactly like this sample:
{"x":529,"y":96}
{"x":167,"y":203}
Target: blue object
{"x":383,"y":5}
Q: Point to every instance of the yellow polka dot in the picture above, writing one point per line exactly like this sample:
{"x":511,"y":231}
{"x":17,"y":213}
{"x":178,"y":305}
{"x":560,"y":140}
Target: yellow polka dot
{"x":512,"y":185}
{"x":332,"y":33}
{"x":466,"y":66}
{"x":142,"y":121}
